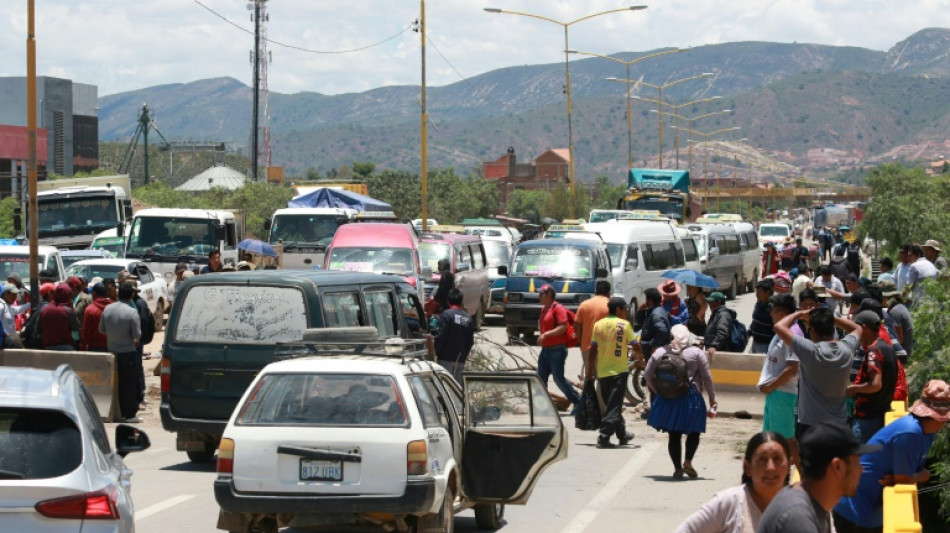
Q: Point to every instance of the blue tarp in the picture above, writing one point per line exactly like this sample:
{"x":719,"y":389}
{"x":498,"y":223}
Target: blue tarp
{"x":327,"y":197}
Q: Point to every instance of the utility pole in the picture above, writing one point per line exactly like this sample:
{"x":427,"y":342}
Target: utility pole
{"x":257,"y":88}
{"x":423,"y":119}
{"x":31,"y":149}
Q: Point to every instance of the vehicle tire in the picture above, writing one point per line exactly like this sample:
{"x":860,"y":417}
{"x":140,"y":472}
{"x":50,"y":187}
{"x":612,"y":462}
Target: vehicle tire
{"x":512,"y":334}
{"x":203,"y":456}
{"x":159,"y":315}
{"x":489,"y":515}
{"x":441,"y":522}
{"x":731,"y":293}
{"x":635,"y":391}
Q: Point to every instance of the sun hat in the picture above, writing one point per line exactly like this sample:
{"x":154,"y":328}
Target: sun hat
{"x":932,"y":244}
{"x":668,"y":288}
{"x":934,"y":401}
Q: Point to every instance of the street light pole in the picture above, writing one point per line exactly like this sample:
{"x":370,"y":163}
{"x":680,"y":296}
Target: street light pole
{"x":31,"y":149}
{"x":423,"y":122}
{"x":629,"y":81}
{"x":567,"y":78}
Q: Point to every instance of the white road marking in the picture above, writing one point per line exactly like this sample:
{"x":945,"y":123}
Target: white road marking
{"x":161,"y":506}
{"x":612,"y":489}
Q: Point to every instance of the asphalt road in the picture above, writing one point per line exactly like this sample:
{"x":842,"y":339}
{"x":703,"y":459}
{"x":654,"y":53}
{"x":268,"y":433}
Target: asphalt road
{"x":593,"y":490}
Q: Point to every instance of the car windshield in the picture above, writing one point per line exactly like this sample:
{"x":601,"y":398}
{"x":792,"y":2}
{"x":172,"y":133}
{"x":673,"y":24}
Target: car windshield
{"x":379,"y":260}
{"x":113,"y":245}
{"x":70,"y":259}
{"x":324,"y":399}
{"x":304,"y":229}
{"x":615,"y":251}
{"x":172,"y":237}
{"x":774,"y":231}
{"x":668,"y":207}
{"x":603,"y":216}
{"x":94,"y":271}
{"x":431,"y":252}
{"x":498,"y":253}
{"x":19,"y":263}
{"x":75,"y":215}
{"x":37,"y":443}
{"x":552,"y":262}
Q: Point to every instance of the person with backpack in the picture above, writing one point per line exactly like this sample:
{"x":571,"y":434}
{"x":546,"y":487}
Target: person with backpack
{"x":553,"y":325}
{"x":677,"y":375}
{"x":719,"y":329}
{"x":854,"y":257}
{"x":607,"y":361}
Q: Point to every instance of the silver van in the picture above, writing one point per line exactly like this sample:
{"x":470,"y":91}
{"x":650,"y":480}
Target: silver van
{"x":720,"y":254}
{"x":751,"y":255}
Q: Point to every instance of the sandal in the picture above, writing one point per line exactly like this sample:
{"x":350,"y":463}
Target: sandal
{"x":678,"y":473}
{"x":690,"y":471}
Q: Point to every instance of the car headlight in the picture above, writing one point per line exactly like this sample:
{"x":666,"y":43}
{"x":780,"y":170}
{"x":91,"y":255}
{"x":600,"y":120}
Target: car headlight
{"x":515,"y":297}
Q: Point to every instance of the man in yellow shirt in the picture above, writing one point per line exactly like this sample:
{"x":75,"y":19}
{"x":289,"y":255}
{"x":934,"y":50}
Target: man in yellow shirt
{"x":609,"y":349}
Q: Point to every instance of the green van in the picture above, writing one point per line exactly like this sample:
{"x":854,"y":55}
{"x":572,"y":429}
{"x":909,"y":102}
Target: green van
{"x":224,"y":328}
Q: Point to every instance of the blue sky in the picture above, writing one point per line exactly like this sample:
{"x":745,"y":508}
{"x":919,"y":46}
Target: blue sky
{"x":121,"y":45}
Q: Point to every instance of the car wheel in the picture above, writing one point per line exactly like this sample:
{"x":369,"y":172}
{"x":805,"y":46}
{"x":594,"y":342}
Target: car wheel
{"x":512,"y":334}
{"x":159,"y":315}
{"x":731,"y":293}
{"x":489,"y":515}
{"x":202,"y":456}
{"x":441,"y":522}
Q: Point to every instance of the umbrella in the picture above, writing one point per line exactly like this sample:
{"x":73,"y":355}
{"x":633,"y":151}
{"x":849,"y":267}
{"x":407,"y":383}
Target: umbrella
{"x":691,"y":277}
{"x":257,"y":247}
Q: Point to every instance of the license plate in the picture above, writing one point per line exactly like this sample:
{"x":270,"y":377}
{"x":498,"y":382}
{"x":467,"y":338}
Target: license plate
{"x":314,"y":470}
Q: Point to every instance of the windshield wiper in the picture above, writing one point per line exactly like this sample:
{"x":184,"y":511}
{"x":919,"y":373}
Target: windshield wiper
{"x":7,"y":474}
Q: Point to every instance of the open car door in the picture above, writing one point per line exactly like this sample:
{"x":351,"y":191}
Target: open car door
{"x":512,"y":433}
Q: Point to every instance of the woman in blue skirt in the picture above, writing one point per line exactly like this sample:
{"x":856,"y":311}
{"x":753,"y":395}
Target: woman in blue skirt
{"x":685,"y":415}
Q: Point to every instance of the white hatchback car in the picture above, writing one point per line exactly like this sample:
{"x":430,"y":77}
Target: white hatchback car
{"x":58,"y":471}
{"x":154,"y":289}
{"x":348,"y":439}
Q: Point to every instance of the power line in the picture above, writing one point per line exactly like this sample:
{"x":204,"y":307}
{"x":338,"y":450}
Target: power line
{"x":301,"y":48}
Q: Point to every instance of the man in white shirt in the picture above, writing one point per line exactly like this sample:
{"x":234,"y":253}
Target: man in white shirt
{"x":920,"y":269}
{"x":802,"y":281}
{"x":903,"y":268}
{"x":832,"y":284}
{"x":8,"y":312}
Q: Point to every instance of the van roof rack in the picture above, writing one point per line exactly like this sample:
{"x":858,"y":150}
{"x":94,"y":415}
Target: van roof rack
{"x":352,"y":341}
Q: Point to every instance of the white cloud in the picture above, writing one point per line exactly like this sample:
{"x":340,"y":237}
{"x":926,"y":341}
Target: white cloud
{"x":129,"y":44}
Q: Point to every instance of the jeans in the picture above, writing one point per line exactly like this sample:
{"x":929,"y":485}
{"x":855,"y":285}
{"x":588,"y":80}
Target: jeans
{"x":612,"y":389}
{"x":865,"y":428}
{"x":551,"y":361}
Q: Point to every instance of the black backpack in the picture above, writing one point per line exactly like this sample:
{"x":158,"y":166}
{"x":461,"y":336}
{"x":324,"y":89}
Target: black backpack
{"x":30,"y":336}
{"x":738,"y":337}
{"x":854,"y":258}
{"x":672,"y":378}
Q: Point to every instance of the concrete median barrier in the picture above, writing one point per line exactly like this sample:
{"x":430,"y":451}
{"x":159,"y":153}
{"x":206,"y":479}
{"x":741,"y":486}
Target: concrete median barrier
{"x":735,"y":376}
{"x":96,"y":369}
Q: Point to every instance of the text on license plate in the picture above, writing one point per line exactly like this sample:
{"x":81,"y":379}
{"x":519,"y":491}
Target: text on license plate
{"x":314,"y":470}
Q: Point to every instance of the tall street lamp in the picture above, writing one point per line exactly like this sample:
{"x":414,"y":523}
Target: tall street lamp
{"x":705,"y":137}
{"x":659,"y":100}
{"x":676,"y":116}
{"x":567,"y":76}
{"x":629,"y":81}
{"x":690,"y":120}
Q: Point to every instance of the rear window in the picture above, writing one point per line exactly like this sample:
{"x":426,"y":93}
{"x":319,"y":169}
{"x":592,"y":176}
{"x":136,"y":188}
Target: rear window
{"x":241,"y":314}
{"x":326,"y":399}
{"x":37,"y":444}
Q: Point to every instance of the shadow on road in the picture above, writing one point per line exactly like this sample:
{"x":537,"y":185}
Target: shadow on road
{"x":189,"y":466}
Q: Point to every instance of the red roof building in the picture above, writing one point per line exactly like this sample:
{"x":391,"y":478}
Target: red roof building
{"x":546,"y":171}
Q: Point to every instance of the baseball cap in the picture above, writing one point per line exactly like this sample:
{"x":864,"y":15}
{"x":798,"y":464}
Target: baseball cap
{"x":716,"y":296}
{"x":868,"y":318}
{"x":46,"y":288}
{"x":548,"y":288}
{"x":825,"y":441}
{"x":74,"y":282}
{"x":11,"y":288}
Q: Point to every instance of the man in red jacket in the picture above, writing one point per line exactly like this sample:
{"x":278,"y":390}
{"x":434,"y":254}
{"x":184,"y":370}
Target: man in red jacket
{"x":58,"y":321}
{"x":90,"y":339}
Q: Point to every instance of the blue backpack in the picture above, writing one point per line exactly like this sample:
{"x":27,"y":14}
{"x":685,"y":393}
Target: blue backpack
{"x":739,"y":337}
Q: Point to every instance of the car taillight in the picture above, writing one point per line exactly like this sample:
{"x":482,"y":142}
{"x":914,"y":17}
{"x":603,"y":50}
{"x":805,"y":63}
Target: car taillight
{"x":226,"y":456}
{"x":166,"y":374}
{"x":99,"y":505}
{"x":416,"y":458}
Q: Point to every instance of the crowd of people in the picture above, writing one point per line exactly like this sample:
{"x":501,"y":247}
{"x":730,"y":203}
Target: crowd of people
{"x":835,"y":346}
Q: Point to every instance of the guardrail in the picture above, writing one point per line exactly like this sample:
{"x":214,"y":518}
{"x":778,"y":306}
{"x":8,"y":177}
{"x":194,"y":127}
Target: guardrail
{"x":735,"y":376}
{"x":901,"y":508}
{"x":96,"y":370}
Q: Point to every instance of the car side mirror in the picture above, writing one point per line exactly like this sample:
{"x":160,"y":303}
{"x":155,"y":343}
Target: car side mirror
{"x":267,"y":224}
{"x":127,"y":208}
{"x":601,"y":273}
{"x":713,"y":252}
{"x":426,"y":272}
{"x":502,"y":270}
{"x":130,"y":439}
{"x":463,"y":267}
{"x":631,"y":265}
{"x":489,"y":413}
{"x":120,"y":229}
{"x":220,"y":233}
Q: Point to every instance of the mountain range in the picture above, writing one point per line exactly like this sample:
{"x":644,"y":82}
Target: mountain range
{"x":813,"y":106}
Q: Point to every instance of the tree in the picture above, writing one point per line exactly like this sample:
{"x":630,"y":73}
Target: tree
{"x":313,"y":174}
{"x":6,"y":217}
{"x":907,"y":205}
{"x":363,"y":170}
